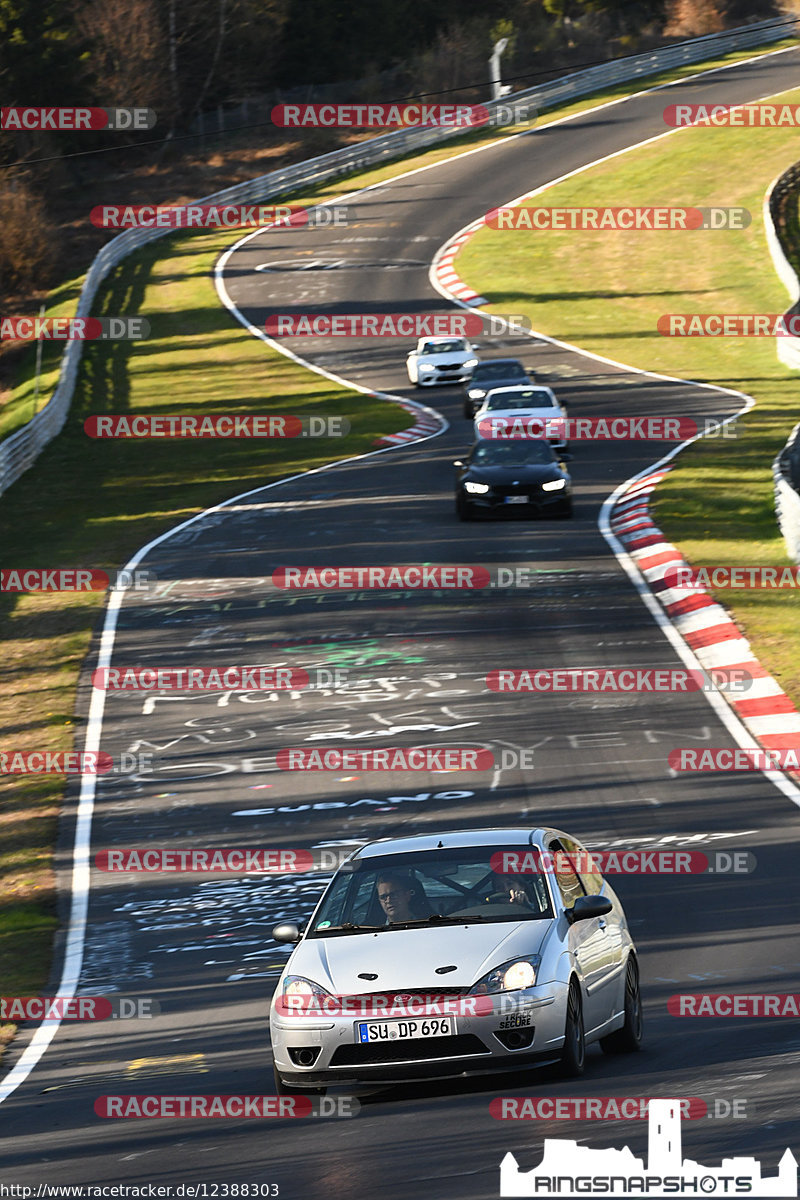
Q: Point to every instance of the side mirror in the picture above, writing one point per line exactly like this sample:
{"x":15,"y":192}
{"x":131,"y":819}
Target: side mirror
{"x":475,"y":346}
{"x":587,"y":907}
{"x":458,"y":463}
{"x":286,"y":932}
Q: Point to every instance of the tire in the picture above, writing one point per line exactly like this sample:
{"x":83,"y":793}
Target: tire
{"x":628,"y":1039}
{"x":573,"y":1056}
{"x":464,"y":511}
{"x":468,"y":412}
{"x":567,"y":511}
{"x":285,"y":1089}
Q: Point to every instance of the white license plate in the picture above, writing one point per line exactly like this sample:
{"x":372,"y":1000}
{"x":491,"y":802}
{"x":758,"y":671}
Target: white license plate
{"x":516,"y":499}
{"x":405,"y":1031}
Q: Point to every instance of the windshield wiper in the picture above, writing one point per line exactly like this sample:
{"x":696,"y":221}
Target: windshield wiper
{"x":454,"y":919}
{"x":346,"y":925}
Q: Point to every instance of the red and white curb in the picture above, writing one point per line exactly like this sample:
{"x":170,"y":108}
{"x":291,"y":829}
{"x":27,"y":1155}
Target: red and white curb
{"x":706,"y":627}
{"x":427,"y":422}
{"x":446,"y":274}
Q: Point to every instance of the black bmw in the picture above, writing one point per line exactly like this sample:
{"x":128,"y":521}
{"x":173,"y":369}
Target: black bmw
{"x":500,"y":475}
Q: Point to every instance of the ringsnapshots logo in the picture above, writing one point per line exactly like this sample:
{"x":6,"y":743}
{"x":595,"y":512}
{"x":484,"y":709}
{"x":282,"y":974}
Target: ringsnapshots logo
{"x":626,"y":219}
{"x":570,"y":1169}
{"x":620,"y":679}
{"x":399,"y":325}
{"x":739,"y":116}
{"x":73,"y":120}
{"x":400,"y":115}
{"x":74,"y":329}
{"x":225,"y":425}
{"x":210,"y":1107}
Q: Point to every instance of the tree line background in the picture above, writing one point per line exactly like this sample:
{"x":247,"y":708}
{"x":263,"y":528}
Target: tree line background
{"x":186,"y":57}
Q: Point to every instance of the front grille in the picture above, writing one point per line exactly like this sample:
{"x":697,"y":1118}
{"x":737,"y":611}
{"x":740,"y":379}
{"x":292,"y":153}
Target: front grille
{"x":418,"y":1050}
{"x":449,"y":366}
{"x":429,"y":990}
{"x":520,"y":489}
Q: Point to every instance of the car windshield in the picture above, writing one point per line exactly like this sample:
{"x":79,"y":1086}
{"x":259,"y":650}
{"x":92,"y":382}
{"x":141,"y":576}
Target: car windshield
{"x":434,"y":887}
{"x":530,"y":398}
{"x":456,"y":346}
{"x":499,"y":370}
{"x":522,"y":453}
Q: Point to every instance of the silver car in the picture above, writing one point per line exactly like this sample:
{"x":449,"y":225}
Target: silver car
{"x":455,"y":953}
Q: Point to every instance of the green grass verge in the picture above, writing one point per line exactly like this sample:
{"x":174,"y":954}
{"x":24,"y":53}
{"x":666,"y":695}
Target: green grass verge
{"x":604,"y":291}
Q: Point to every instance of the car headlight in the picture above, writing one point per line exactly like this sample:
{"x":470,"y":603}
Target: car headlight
{"x":301,"y":997}
{"x":509,"y":977}
{"x":476,"y":393}
{"x":427,"y":367}
{"x":476,"y":489}
{"x":471,"y":362}
{"x":555,"y":485}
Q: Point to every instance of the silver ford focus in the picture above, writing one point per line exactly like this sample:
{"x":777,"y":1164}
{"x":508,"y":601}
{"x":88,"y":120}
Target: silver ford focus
{"x":452,"y":954}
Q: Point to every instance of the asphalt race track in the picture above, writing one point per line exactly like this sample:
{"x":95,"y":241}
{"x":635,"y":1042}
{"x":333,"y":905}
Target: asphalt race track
{"x":415,"y":663}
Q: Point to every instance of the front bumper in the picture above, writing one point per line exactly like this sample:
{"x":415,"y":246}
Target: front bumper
{"x":537,"y":502}
{"x":475,"y":1047}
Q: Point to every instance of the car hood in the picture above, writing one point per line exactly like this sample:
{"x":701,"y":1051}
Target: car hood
{"x":536,"y":473}
{"x":446,"y":356}
{"x":488,"y":385}
{"x":521,"y":414}
{"x":409,"y":958}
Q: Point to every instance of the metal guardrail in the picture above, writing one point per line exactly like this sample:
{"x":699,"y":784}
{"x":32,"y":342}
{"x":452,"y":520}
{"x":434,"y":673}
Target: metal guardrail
{"x":20,"y":450}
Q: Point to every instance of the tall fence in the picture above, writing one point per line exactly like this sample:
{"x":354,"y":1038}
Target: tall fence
{"x":20,"y":450}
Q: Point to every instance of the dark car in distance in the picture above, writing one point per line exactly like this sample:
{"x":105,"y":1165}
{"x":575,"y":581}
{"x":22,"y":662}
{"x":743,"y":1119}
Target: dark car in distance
{"x":501,"y":475}
{"x":492,"y":373}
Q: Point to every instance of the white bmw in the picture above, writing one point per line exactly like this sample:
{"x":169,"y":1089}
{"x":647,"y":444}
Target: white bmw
{"x":441,"y":360}
{"x":535,"y":409}
{"x":455,"y":953}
